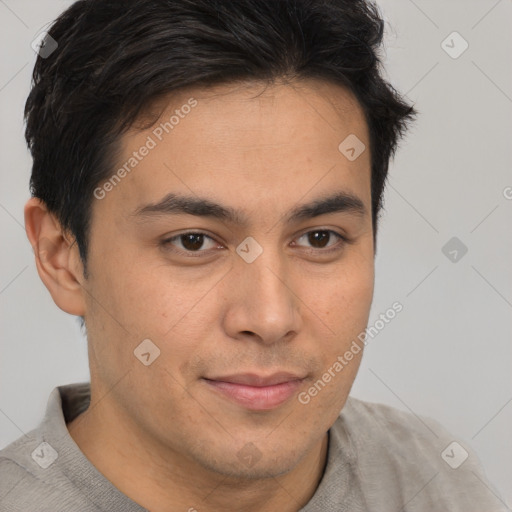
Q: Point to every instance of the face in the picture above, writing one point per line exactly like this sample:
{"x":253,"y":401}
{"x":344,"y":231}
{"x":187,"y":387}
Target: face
{"x":245,"y":306}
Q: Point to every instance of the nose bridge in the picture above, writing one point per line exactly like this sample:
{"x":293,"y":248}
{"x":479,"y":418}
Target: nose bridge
{"x":266,"y":304}
{"x":269,"y":279}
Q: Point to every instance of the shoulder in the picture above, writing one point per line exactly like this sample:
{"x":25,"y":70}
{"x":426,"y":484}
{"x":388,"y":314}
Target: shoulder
{"x":29,"y":479}
{"x":405,"y":458}
{"x":400,"y":441}
{"x":20,"y":487}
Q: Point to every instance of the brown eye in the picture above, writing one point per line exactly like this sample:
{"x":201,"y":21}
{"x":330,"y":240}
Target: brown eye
{"x":190,"y":242}
{"x":321,"y":238}
{"x":318,"y":239}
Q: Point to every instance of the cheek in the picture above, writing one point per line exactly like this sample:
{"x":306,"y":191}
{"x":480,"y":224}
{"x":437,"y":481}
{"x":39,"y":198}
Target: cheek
{"x":359,"y":281}
{"x":149,"y":301}
{"x":346,"y":306}
{"x":344,"y":297}
{"x":346,"y":315}
{"x":176,"y":310}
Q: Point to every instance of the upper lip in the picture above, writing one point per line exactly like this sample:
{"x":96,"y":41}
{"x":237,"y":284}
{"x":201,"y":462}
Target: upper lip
{"x":253,"y":379}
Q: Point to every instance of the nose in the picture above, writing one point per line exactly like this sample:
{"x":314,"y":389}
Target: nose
{"x":261,"y":300}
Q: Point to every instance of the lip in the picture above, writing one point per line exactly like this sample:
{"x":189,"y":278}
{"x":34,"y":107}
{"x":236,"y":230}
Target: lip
{"x":257,"y":392}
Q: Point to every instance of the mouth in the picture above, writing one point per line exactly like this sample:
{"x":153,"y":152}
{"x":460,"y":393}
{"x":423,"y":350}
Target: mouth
{"x":257,"y":392}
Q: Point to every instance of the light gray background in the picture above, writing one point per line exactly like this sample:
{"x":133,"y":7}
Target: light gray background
{"x":448,"y":353}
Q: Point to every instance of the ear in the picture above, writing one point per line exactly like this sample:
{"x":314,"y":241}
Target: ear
{"x":57,"y":258}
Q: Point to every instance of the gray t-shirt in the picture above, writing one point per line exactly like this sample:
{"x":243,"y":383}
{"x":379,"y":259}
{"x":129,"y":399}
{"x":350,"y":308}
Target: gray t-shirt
{"x":379,"y":459}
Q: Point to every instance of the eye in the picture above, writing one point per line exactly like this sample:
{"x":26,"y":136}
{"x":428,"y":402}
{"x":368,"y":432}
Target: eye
{"x":190,"y":242}
{"x":322,"y":238}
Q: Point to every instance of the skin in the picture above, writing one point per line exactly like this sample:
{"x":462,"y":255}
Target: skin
{"x":160,"y":433}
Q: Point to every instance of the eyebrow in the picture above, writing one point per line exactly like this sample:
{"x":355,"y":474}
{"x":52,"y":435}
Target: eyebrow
{"x":174,"y":204}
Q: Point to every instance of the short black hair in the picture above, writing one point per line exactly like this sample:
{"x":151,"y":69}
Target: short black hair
{"x":115,"y":57}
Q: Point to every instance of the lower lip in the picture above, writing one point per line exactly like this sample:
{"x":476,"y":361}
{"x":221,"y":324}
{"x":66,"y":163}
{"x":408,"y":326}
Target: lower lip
{"x":257,"y":398}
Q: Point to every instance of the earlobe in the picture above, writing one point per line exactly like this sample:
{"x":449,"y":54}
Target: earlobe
{"x":56,"y":256}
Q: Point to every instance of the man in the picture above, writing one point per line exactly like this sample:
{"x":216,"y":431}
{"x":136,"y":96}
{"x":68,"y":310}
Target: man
{"x":206,"y":187}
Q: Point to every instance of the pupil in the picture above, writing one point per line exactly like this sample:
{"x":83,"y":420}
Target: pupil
{"x":188,"y":241}
{"x":318,"y":236}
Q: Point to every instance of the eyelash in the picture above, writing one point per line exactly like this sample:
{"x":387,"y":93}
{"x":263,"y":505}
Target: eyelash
{"x":337,"y":247}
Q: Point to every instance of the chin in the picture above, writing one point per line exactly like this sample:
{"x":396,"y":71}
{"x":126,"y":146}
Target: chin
{"x":249,"y":462}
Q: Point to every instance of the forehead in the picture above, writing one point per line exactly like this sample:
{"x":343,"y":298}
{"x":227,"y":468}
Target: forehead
{"x":247,"y":144}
